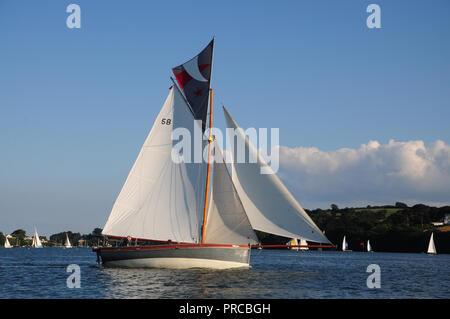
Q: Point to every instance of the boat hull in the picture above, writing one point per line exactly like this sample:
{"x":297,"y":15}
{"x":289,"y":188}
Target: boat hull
{"x":176,"y":256}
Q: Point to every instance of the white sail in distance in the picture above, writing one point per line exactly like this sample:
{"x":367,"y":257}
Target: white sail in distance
{"x":7,"y":244}
{"x":303,"y":243}
{"x":270,"y":206}
{"x":369,"y":248}
{"x":431,"y":247}
{"x":161,"y":199}
{"x":36,"y":241}
{"x":344,"y":244}
{"x":293,"y":242}
{"x":227,"y":222}
{"x":67,"y":244}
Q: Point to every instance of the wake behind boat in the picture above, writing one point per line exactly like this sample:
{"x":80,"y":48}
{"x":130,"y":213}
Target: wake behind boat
{"x":171,"y":214}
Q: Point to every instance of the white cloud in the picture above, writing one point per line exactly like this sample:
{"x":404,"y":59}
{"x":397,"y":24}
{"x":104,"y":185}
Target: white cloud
{"x":373,"y":174}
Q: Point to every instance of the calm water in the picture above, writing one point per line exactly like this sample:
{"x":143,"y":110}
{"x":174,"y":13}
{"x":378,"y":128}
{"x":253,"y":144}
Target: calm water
{"x":41,"y":273}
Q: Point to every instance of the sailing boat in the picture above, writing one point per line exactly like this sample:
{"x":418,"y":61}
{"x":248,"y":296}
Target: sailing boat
{"x":7,"y":244}
{"x":294,"y":242}
{"x":431,"y":248}
{"x":368,"y":247}
{"x":36,"y":241}
{"x":303,"y":243}
{"x":67,"y":243}
{"x":345,"y":245}
{"x":188,"y":219}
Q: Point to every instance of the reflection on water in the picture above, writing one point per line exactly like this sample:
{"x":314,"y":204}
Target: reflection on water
{"x":41,"y":273}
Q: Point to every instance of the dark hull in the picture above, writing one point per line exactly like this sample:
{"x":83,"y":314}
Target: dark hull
{"x":177,"y":256}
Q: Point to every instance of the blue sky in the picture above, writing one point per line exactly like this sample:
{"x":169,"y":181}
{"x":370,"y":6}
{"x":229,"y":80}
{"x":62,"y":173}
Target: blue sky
{"x":76,"y":104}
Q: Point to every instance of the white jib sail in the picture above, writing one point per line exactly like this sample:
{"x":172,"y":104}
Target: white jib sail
{"x":431,"y":247}
{"x":160,"y":199}
{"x":227,"y":222}
{"x":269,"y":205}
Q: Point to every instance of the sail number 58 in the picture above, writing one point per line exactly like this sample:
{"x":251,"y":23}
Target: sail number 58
{"x":166,"y":121}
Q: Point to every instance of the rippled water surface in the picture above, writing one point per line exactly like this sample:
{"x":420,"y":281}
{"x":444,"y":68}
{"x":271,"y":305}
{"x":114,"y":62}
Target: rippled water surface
{"x":42,"y":273}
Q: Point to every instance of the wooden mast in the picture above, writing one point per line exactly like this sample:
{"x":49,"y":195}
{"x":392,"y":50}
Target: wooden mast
{"x":208,"y":171}
{"x":210,"y":139}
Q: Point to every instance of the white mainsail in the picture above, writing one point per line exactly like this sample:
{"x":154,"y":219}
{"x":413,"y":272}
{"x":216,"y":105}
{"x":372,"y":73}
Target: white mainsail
{"x":269,"y":205}
{"x":303,"y":243}
{"x":369,"y":248}
{"x":227,"y":222}
{"x":431,"y":247}
{"x":344,"y":244}
{"x":161,"y":199}
{"x":67,"y":244}
{"x":7,"y":244}
{"x":36,"y":241}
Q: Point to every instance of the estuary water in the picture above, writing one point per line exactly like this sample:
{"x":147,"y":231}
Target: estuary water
{"x":42,"y":273}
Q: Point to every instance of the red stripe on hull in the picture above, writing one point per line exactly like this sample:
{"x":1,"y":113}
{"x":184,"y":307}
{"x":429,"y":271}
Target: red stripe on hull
{"x":174,"y":246}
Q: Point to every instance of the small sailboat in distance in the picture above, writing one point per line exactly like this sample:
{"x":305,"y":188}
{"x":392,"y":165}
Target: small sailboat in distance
{"x":431,"y":248}
{"x":7,"y":244}
{"x":303,"y":243}
{"x":369,"y":248}
{"x":345,"y":245}
{"x":67,"y":244}
{"x":36,"y":241}
{"x":293,"y":242}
